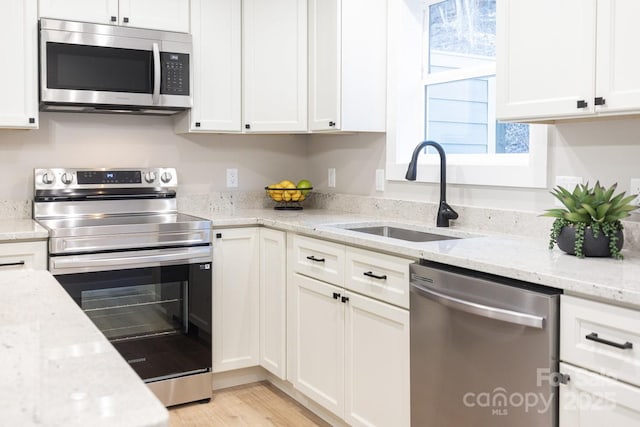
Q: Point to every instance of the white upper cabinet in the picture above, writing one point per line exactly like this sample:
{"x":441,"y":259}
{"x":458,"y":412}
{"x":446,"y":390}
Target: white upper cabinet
{"x":19,"y":76}
{"x":347,"y":65}
{"x":568,"y":59}
{"x":167,"y":15}
{"x":275,"y":65}
{"x":216,"y":62}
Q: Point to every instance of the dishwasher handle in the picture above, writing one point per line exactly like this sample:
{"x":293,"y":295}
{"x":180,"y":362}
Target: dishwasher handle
{"x":496,"y":313}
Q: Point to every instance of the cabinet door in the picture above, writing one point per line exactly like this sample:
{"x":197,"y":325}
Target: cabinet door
{"x":19,"y":75}
{"x":273,"y":297}
{"x":167,"y":15}
{"x":545,"y":58}
{"x":215,"y":27}
{"x":618,"y":65}
{"x":236,"y":302}
{"x":316,"y":341}
{"x":275,"y":65}
{"x":592,"y":400}
{"x":324,"y":64}
{"x":377,"y":363}
{"x":97,"y":11}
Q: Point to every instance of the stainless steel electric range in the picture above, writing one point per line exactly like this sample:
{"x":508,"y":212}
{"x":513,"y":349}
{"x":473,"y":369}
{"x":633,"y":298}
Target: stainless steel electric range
{"x":140,"y":270}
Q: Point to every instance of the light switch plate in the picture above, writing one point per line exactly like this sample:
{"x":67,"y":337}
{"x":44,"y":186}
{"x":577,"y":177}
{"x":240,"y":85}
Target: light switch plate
{"x":634,"y":188}
{"x":232,"y":178}
{"x":379,"y":179}
{"x":331,"y":179}
{"x":568,"y":183}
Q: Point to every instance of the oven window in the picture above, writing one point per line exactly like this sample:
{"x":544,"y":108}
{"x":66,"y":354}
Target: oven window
{"x":137,"y":311}
{"x":81,"y":67}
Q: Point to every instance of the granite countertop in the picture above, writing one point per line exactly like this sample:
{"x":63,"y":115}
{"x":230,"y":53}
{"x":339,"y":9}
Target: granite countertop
{"x":57,"y":368}
{"x":526,"y":259}
{"x":21,"y":229}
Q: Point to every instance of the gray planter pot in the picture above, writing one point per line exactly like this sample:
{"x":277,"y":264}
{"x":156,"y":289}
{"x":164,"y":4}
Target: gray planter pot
{"x":592,"y":247}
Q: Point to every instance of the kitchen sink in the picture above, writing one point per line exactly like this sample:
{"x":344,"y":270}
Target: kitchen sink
{"x":401,"y":233}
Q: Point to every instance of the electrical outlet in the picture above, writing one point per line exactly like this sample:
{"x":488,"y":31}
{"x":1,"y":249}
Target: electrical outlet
{"x":232,"y":178}
{"x":634,"y":188}
{"x":568,"y":183}
{"x":331,"y":179}
{"x":379,"y":179}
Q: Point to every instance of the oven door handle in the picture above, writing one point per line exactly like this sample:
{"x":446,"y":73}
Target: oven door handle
{"x":132,"y":259}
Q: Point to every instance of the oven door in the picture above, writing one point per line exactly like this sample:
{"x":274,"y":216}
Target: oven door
{"x":156,"y":311}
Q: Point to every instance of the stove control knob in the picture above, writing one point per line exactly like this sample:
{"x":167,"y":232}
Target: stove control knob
{"x":150,"y":177}
{"x":48,"y":178}
{"x":66,"y":178}
{"x":166,"y":177}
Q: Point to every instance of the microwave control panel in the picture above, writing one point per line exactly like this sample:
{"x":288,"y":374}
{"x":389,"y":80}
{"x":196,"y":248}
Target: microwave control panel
{"x":175,"y":73}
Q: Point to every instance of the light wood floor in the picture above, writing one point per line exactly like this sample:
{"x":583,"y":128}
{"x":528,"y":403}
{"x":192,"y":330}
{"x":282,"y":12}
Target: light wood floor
{"x":255,"y":405}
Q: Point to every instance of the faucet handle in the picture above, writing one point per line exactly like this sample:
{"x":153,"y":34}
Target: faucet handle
{"x":445,"y":213}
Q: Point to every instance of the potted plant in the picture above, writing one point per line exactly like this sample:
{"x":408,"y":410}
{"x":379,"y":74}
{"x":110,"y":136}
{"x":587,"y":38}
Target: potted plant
{"x":589,"y":224}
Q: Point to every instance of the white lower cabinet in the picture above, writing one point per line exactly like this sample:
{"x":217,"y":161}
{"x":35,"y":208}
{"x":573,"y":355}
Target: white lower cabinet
{"x":273,"y":300}
{"x":600,"y":355}
{"x":236,"y":304}
{"x":592,"y":400}
{"x":346,"y":351}
{"x":20,"y":255}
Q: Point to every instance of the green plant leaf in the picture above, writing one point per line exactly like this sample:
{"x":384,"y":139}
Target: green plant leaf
{"x":602,"y":210}
{"x":577,"y":217}
{"x":590,"y":210}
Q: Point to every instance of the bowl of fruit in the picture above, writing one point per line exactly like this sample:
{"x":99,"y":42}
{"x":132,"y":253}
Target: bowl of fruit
{"x":288,"y":195}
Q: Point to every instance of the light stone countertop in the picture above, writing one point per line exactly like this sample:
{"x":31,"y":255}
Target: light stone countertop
{"x":57,"y":368}
{"x":520,"y":258}
{"x":21,"y":229}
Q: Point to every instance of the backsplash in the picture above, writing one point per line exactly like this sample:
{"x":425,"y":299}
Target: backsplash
{"x":516,"y":223}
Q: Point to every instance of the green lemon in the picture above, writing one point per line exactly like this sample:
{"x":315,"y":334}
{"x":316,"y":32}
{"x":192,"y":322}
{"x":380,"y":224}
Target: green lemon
{"x":304,"y":183}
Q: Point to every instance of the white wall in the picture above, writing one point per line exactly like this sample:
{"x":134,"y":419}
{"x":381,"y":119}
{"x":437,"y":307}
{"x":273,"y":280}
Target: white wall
{"x":608,"y":150}
{"x":99,"y":140}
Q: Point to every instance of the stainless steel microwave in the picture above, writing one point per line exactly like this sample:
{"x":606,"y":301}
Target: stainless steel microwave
{"x":106,"y":68}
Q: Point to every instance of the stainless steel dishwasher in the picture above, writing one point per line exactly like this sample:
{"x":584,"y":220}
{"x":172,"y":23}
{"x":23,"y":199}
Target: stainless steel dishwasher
{"x":484,"y":350}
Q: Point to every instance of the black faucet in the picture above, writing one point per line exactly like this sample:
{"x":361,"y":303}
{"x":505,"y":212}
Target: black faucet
{"x":445,"y":212}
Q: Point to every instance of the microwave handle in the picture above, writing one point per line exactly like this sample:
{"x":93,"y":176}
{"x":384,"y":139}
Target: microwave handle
{"x":156,"y":74}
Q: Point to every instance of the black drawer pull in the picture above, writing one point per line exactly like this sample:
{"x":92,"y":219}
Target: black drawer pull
{"x":345,"y":299}
{"x":370,"y":274}
{"x":314,"y":259}
{"x":11,"y":264}
{"x":599,"y":101}
{"x":594,"y":337}
{"x":582,"y":104}
{"x":336,"y":295}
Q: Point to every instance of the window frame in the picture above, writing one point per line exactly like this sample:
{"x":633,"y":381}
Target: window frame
{"x":406,"y":114}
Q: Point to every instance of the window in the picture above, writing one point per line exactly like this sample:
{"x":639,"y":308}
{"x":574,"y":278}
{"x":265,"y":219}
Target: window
{"x":446,"y":51}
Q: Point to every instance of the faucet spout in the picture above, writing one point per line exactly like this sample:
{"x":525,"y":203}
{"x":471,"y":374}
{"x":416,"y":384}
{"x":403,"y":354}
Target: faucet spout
{"x":445,"y":212}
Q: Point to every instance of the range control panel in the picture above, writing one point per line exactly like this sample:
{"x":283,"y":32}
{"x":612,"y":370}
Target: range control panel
{"x":70,"y":178}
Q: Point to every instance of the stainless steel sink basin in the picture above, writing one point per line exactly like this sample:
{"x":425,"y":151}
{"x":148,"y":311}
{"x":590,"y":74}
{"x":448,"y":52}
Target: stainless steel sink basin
{"x":401,"y":233}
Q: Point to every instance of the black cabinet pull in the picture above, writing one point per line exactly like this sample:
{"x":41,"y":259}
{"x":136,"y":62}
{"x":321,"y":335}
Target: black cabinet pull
{"x":582,"y":104}
{"x":336,"y":295}
{"x":332,"y":124}
{"x":11,"y":264}
{"x":599,"y":101}
{"x":218,"y":235}
{"x":594,"y":337}
{"x":125,"y":19}
{"x":32,"y":120}
{"x":247,"y":126}
{"x":314,"y":259}
{"x":197,"y":124}
{"x":345,"y":299}
{"x":370,"y":274}
{"x":114,"y":19}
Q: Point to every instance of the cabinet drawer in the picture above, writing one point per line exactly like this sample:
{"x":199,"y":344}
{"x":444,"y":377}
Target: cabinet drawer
{"x":601,"y":337}
{"x":318,"y":259}
{"x":380,"y":276}
{"x":23,"y":255}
